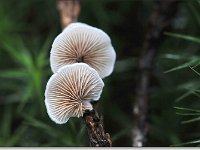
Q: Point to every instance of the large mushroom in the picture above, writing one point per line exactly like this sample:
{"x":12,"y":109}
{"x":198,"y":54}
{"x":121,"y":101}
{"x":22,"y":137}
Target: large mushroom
{"x":70,"y":91}
{"x":83,"y":43}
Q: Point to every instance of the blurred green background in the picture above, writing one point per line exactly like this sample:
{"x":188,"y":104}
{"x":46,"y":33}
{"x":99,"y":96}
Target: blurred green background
{"x":27,"y":30}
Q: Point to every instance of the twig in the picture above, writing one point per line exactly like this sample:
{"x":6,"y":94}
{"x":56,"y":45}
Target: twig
{"x":160,"y":19}
{"x":97,"y":135}
{"x":69,"y":11}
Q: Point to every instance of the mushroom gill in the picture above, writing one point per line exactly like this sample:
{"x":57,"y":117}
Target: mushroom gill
{"x":70,"y":90}
{"x":83,"y":43}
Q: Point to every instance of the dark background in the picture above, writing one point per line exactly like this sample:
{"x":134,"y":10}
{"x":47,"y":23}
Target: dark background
{"x":27,"y":30}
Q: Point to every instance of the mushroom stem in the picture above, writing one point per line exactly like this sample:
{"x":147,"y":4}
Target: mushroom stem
{"x":80,"y":59}
{"x":96,"y":133}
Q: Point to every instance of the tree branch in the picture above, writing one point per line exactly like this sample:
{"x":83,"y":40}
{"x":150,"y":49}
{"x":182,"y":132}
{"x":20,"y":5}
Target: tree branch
{"x":94,"y":125}
{"x":160,"y":20}
{"x":69,"y":11}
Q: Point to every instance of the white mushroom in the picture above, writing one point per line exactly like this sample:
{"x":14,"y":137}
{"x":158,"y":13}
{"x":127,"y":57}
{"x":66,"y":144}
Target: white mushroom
{"x":83,"y":43}
{"x":70,"y":91}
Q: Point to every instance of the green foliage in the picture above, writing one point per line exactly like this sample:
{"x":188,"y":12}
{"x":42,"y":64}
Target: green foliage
{"x":192,"y":86}
{"x":185,"y":37}
{"x":24,"y":118}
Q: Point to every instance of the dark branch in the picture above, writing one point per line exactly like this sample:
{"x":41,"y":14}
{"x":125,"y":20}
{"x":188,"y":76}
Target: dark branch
{"x":96,"y":133}
{"x":159,"y":21}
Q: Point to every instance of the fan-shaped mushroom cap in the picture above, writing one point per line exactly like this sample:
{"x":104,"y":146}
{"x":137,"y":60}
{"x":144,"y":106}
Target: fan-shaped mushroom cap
{"x":83,"y":43}
{"x":70,"y":90}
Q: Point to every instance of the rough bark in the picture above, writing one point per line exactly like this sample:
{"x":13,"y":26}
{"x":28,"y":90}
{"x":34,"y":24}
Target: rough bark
{"x":94,"y":125}
{"x":160,"y":20}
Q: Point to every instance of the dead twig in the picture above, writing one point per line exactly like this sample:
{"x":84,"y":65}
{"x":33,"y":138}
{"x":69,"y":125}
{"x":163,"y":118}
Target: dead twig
{"x":69,"y":11}
{"x":97,"y":135}
{"x":160,"y":20}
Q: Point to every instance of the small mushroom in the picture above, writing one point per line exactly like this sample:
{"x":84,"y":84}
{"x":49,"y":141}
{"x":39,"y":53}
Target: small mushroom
{"x":70,"y":91}
{"x":83,"y":43}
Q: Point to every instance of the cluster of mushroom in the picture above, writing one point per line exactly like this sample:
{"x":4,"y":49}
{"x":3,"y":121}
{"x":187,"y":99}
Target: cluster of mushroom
{"x":80,"y":57}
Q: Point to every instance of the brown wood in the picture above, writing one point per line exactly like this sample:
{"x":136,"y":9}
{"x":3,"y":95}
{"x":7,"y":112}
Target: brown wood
{"x":96,"y":133}
{"x":159,"y":21}
{"x":69,"y":11}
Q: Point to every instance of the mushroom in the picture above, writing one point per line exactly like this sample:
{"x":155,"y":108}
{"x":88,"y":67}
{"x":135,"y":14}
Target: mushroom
{"x":83,"y":43}
{"x":69,"y":91}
